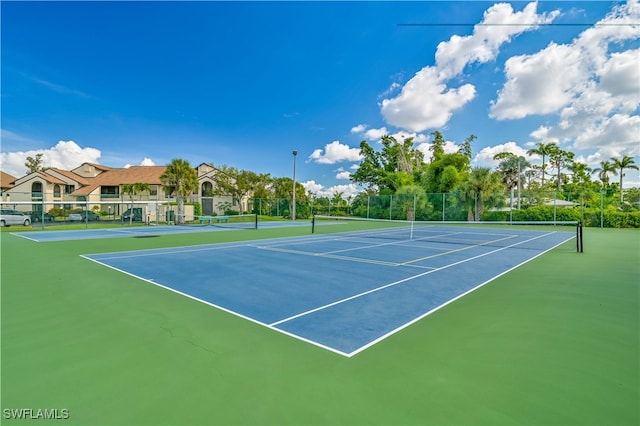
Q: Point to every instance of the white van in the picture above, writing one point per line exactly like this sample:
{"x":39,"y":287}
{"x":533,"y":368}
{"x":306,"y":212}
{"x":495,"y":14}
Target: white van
{"x":13,"y":217}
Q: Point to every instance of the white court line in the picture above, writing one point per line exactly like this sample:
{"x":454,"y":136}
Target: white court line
{"x":307,"y":239}
{"x":437,"y":308}
{"x":457,"y":250}
{"x":222,"y":308}
{"x":401,"y":281}
{"x":330,"y":256}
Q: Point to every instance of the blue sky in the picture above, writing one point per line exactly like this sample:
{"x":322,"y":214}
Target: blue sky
{"x":245,"y":83}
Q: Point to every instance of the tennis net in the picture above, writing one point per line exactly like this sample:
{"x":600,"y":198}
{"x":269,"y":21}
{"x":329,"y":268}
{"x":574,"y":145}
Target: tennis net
{"x":496,"y":234}
{"x":236,"y":221}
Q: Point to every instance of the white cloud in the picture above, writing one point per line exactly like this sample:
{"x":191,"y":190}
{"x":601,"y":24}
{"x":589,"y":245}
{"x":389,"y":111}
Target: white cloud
{"x":499,"y":25}
{"x":343,"y":174}
{"x":394,"y":86}
{"x":620,"y":77}
{"x":618,"y":135}
{"x":529,"y":88}
{"x":417,"y":137}
{"x":376,"y":134}
{"x":64,"y":155}
{"x":484,"y":158}
{"x":312,"y":186}
{"x":346,"y":190}
{"x":145,"y":162}
{"x":371,"y":134}
{"x":591,"y":83}
{"x":359,"y":128}
{"x":335,"y":152}
{"x":319,"y":190}
{"x":426,"y":101}
{"x":449,"y":148}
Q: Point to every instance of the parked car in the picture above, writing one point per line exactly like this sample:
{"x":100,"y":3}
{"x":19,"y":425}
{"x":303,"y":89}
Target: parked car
{"x":137,"y":215}
{"x":38,"y":216}
{"x":83,"y":216}
{"x":13,"y":217}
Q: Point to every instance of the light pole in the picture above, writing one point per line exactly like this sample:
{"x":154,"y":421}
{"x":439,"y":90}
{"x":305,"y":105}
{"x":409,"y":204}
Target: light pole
{"x":293,"y":203}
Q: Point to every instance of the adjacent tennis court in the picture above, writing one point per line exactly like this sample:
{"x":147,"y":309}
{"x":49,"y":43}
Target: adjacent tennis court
{"x":342,"y":291}
{"x":238,"y":222}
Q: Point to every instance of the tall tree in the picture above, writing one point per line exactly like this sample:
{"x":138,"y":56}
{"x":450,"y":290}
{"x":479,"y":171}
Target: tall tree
{"x":370,"y":172}
{"x":603,"y":171}
{"x":34,"y":164}
{"x":483,"y":188}
{"x":465,"y":147}
{"x":437,"y":146}
{"x":620,"y":164}
{"x":181,"y":180}
{"x":559,"y":159}
{"x":237,"y":183}
{"x":283,"y":188}
{"x":581,"y":173}
{"x":444,"y":174}
{"x":397,"y":164}
{"x":512,"y":168}
{"x":544,"y":150}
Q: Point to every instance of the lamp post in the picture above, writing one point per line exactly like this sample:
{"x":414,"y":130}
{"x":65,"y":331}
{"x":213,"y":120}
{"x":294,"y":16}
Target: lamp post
{"x":293,"y":203}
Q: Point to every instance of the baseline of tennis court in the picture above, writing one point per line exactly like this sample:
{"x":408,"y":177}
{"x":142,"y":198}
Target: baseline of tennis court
{"x":342,"y":293}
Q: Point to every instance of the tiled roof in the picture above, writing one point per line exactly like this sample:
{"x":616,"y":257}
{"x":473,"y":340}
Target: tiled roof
{"x":114,"y":177}
{"x":73,"y":176}
{"x":108,"y":177}
{"x":6,"y":180}
{"x":134,"y":174}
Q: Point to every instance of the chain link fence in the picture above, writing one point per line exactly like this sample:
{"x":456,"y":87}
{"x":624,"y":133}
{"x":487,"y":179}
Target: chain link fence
{"x":596,"y":209}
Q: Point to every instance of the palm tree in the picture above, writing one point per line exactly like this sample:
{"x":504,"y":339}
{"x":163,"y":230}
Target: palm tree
{"x":181,"y":180}
{"x":543,"y":149}
{"x":511,"y":167}
{"x":133,"y":189}
{"x":625,"y":162}
{"x":603,"y":171}
{"x":482,"y":188}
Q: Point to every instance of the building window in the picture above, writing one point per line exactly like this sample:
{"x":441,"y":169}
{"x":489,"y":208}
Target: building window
{"x":36,"y":190}
{"x":68,"y":189}
{"x":109,"y":191}
{"x":56,"y":190}
{"x":207,"y":189}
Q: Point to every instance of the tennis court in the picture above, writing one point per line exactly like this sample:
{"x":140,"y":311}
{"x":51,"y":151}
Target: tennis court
{"x":248,"y":221}
{"x":553,"y":341}
{"x":341,"y":291}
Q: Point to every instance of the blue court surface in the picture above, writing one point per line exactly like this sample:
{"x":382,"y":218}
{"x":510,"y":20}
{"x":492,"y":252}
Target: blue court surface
{"x":141,"y":231}
{"x":340,"y":292}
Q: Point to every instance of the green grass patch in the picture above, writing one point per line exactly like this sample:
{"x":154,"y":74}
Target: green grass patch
{"x":554,"y":342}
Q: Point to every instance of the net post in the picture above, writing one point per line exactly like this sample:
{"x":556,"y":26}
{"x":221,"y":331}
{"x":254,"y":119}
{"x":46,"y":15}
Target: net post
{"x":579,"y":238}
{"x":256,"y":227}
{"x":313,"y":224}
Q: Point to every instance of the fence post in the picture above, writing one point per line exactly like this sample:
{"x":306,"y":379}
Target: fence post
{"x":601,"y":209}
{"x":414,"y":206}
